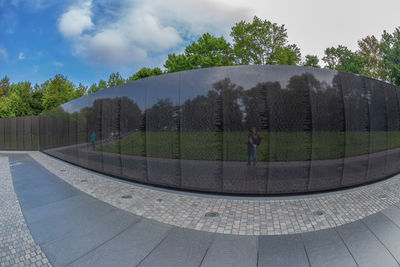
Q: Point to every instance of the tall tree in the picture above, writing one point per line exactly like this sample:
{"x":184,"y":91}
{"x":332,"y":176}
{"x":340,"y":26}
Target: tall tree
{"x":343,"y":59}
{"x":176,"y":63}
{"x":37,"y":100}
{"x":81,"y":90}
{"x":370,"y":48}
{"x":115,"y":79}
{"x":21,"y":98}
{"x":144,"y":73}
{"x":390,"y":47}
{"x":58,"y":91}
{"x":5,"y":107}
{"x":311,"y":61}
{"x":208,"y":51}
{"x":97,"y":87}
{"x":4,"y":86}
{"x":263,"y":42}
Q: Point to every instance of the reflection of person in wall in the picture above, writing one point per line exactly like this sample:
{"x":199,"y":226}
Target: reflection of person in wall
{"x":93,"y":139}
{"x":253,"y":140}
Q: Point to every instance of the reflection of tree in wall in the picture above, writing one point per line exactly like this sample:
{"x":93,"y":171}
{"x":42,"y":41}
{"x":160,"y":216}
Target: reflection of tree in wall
{"x":327,"y":105}
{"x":131,"y":116}
{"x":162,"y":116}
{"x":94,"y":120}
{"x":218,"y":110}
{"x":110,"y":119}
{"x":256,"y":105}
{"x":199,"y":114}
{"x":305,"y":104}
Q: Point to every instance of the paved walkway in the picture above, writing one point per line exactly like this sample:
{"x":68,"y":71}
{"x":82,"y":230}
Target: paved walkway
{"x":17,"y":247}
{"x":243,"y":216}
{"x":76,"y":229}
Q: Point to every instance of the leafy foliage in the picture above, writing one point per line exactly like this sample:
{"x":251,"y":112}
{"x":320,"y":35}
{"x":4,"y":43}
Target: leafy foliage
{"x":263,"y":42}
{"x":144,"y":73}
{"x":390,"y":46}
{"x":311,"y":61}
{"x":208,"y":51}
{"x":115,"y":79}
{"x":341,"y":58}
{"x":370,"y":49}
{"x":57,"y":91}
{"x":97,"y":87}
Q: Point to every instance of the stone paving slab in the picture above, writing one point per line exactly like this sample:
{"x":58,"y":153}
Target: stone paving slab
{"x":365,"y":247}
{"x":17,"y":247}
{"x":386,"y":231}
{"x":182,"y":247}
{"x":128,"y":248}
{"x":237,"y":215}
{"x":282,"y":251}
{"x":326,"y":248}
{"x":232,"y":250}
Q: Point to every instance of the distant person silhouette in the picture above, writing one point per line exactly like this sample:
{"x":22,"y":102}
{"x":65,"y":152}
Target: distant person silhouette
{"x":93,"y":138}
{"x":253,"y":140}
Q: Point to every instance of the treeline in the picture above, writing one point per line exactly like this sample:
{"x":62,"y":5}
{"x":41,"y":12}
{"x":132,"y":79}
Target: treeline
{"x":256,"y":42}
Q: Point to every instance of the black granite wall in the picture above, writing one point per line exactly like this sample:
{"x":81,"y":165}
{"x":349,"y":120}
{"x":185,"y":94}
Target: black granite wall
{"x":320,"y":130}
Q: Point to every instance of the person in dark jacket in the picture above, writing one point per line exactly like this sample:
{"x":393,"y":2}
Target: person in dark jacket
{"x":253,"y":140}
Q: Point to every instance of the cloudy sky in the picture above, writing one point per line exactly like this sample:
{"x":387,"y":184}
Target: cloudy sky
{"x":86,"y":40}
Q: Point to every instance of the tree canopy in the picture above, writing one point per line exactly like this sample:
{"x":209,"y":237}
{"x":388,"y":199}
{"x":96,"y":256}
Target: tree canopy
{"x":144,"y":73}
{"x":263,"y":42}
{"x":341,"y":58}
{"x":390,"y":47}
{"x":208,"y":51}
{"x":311,"y":61}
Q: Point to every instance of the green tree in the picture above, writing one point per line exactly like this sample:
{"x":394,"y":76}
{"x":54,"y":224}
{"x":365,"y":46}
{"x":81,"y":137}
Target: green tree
{"x":176,"y":63}
{"x":81,"y":90}
{"x":343,"y":59}
{"x":4,"y":86}
{"x":263,"y":42}
{"x":37,"y":99}
{"x":144,"y":73}
{"x":311,"y":61}
{"x":370,"y":48}
{"x":94,"y":87}
{"x":5,"y":107}
{"x":115,"y":79}
{"x":57,"y":91}
{"x":390,"y":47}
{"x":21,"y":98}
{"x":208,"y":51}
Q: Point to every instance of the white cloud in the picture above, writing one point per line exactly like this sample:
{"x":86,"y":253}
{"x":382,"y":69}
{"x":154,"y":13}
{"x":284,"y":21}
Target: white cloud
{"x":21,"y":56}
{"x":113,"y":47}
{"x":147,"y":31}
{"x":128,"y":32}
{"x":76,"y":20}
{"x":3,"y":53}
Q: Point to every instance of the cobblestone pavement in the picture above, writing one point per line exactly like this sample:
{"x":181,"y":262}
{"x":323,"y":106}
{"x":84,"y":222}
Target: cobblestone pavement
{"x":242,"y":216}
{"x":17,"y":247}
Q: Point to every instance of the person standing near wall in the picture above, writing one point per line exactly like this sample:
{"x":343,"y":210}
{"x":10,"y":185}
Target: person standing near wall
{"x":93,"y":139}
{"x":253,"y":140}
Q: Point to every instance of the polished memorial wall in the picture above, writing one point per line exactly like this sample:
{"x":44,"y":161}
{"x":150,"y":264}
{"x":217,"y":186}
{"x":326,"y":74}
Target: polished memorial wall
{"x":320,"y":130}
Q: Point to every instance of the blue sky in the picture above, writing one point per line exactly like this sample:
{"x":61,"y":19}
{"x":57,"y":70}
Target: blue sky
{"x":86,"y":40}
